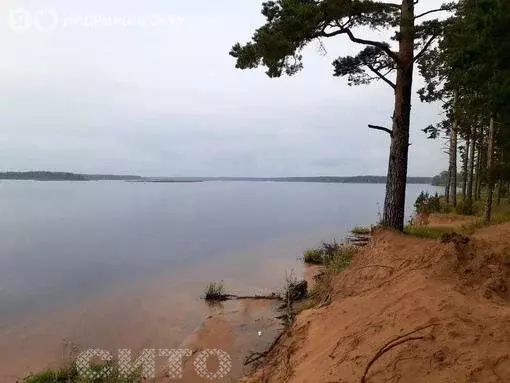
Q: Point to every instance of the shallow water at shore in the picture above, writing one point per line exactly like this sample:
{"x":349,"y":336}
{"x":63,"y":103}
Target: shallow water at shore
{"x":121,"y":265}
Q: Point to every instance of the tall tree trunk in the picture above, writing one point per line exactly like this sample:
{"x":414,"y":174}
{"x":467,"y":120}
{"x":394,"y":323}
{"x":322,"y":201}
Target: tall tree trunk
{"x":470,"y":174}
{"x":490,"y":180}
{"x":394,"y":204}
{"x":453,"y":164}
{"x":478,"y":183}
{"x":499,"y":188}
{"x":465,"y":167}
{"x":447,"y":186}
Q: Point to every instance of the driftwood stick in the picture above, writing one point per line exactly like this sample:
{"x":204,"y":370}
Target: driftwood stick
{"x":230,"y":297}
{"x":259,"y":297}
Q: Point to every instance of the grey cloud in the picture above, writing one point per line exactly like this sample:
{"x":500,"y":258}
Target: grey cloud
{"x":168,"y":101}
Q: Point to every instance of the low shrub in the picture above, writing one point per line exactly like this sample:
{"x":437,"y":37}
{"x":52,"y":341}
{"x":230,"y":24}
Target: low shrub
{"x":215,"y":291}
{"x":314,"y":256}
{"x":320,"y":255}
{"x":331,"y":254}
{"x":426,"y":203}
{"x":341,"y":259}
{"x":336,"y":263}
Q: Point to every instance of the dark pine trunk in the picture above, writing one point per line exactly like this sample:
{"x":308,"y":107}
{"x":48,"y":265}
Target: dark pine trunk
{"x":447,"y":186}
{"x":478,"y":182}
{"x":453,"y":165}
{"x":471,"y":170}
{"x":465,"y":167}
{"x":450,"y":173}
{"x":499,"y":188}
{"x":394,"y":205}
{"x":490,"y":180}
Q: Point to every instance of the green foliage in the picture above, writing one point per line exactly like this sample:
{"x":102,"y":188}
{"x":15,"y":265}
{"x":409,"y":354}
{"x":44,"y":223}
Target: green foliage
{"x":341,"y":259}
{"x":464,"y":206}
{"x":426,"y":231}
{"x":358,"y":230}
{"x":353,"y":67}
{"x":442,"y":179}
{"x":314,"y":256}
{"x":70,"y":374}
{"x":330,"y":249}
{"x":64,"y":374}
{"x":293,"y":24}
{"x":426,"y":203}
{"x":331,"y":254}
{"x":477,"y":48}
{"x":469,"y":207}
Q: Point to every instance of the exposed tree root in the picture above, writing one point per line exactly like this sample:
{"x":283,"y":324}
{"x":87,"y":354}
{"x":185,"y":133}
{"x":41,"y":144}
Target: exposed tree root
{"x":256,"y":356}
{"x":392,"y":344}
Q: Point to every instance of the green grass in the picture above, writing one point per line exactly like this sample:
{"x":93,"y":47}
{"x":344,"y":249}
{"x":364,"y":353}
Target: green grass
{"x":314,"y":256}
{"x":331,"y":255}
{"x":427,"y":232}
{"x":358,"y":230}
{"x":334,"y":264}
{"x":477,"y":208}
{"x":70,"y":374}
{"x":501,"y":214}
{"x":64,"y":374}
{"x":342,"y":259}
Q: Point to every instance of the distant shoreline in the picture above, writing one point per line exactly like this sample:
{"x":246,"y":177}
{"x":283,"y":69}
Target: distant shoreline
{"x":67,"y":176}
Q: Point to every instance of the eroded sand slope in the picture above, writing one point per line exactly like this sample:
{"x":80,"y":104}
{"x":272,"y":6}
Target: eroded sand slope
{"x":454,"y":295}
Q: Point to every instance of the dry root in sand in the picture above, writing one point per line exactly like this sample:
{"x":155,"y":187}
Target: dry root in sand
{"x":395,"y":343}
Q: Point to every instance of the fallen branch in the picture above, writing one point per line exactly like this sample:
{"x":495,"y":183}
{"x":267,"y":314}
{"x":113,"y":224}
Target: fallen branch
{"x":392,"y":344}
{"x":259,"y":355}
{"x":273,"y":297}
{"x":231,"y":297}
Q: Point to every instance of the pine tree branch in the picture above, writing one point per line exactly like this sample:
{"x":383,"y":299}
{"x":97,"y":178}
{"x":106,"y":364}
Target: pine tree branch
{"x":389,"y":131}
{"x":382,"y":76}
{"x":424,"y":49}
{"x":382,"y":46}
{"x":429,"y":12}
{"x":379,"y":44}
{"x":392,"y":5}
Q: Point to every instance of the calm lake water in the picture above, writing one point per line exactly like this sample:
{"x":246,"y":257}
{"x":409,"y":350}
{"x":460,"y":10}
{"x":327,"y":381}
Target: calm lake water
{"x":118,"y":264}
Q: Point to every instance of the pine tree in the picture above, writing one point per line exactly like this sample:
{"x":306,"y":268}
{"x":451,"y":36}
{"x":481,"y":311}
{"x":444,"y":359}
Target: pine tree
{"x":293,"y":24}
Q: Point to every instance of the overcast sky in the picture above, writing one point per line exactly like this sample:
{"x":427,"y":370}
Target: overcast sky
{"x":164,"y":99}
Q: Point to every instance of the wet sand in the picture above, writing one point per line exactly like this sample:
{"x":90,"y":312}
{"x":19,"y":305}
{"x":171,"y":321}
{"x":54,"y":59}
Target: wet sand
{"x":239,"y":328}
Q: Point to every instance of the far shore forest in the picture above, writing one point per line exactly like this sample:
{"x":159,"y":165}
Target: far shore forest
{"x":66,"y":176}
